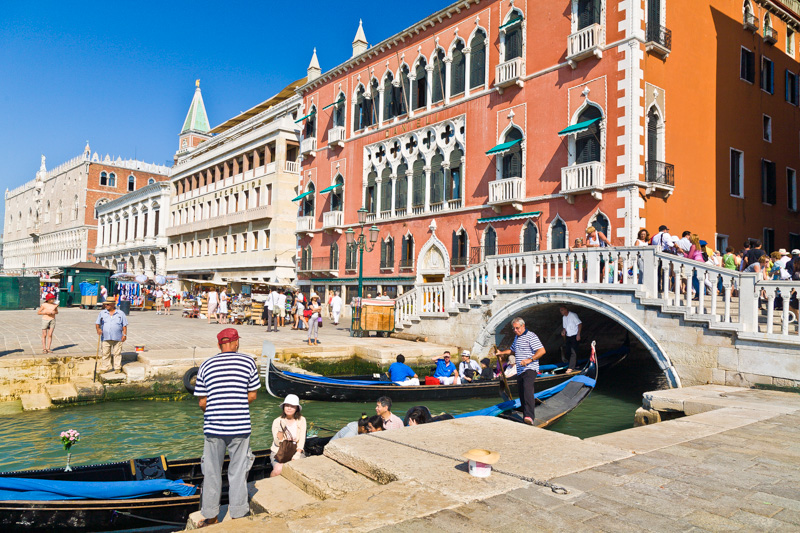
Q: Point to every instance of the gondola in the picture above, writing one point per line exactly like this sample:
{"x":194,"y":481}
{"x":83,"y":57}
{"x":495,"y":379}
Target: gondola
{"x":166,"y":509}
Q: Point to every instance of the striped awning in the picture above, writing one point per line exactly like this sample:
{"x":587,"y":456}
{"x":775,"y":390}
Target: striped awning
{"x":579,"y":127}
{"x":300,"y":197}
{"x":504,"y":147}
{"x":332,"y":187}
{"x":509,"y":217}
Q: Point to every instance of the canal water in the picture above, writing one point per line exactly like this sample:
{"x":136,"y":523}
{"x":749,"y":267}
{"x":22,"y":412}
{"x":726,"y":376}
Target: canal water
{"x":122,"y":430}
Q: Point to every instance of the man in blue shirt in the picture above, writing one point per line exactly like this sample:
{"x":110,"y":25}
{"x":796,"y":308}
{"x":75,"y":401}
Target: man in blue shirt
{"x":401,"y":373}
{"x":446,"y":371}
{"x":112,"y":327}
{"x":528,"y":349}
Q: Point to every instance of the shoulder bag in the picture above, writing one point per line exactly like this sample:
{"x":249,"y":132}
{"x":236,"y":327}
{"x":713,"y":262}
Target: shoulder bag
{"x":287,"y":447}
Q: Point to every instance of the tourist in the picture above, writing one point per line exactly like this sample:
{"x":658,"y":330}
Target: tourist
{"x":103,"y":293}
{"x":336,"y":308}
{"x":112,"y":327}
{"x":486,"y":373}
{"x":281,"y":303}
{"x":313,"y":321}
{"x":571,"y":331}
{"x":159,"y":302}
{"x":783,"y":262}
{"x":417,"y":415}
{"x":759,"y":267}
{"x":662,"y":240}
{"x":359,"y":427}
{"x":527,"y":349}
{"x":402,"y":374}
{"x":48,"y":311}
{"x":222,"y":312}
{"x":685,"y":243}
{"x":271,"y":311}
{"x":506,"y":366}
{"x":730,"y":260}
{"x":753,"y":254}
{"x":299,"y":312}
{"x":596,"y":239}
{"x":375,"y":423}
{"x":446,"y":371}
{"x":167,"y":300}
{"x":468,"y":369}
{"x":291,"y":425}
{"x":578,"y":243}
{"x":383,"y":408}
{"x":213,"y":302}
{"x":642,"y":238}
{"x":226,"y":385}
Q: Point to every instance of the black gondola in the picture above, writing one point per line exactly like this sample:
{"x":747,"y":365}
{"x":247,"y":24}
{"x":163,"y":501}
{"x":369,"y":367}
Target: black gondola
{"x":166,"y":510}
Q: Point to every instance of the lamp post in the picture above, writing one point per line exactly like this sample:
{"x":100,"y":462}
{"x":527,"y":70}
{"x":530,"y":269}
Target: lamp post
{"x":23,"y":269}
{"x":361,"y":242}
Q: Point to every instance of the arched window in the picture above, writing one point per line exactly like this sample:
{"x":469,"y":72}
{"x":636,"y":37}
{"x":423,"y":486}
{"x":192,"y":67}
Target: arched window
{"x":588,"y":13}
{"x":58,"y":217}
{"x":97,"y":204}
{"x":437,"y":179}
{"x":420,"y":86}
{"x":131,"y":183}
{"x":654,"y":153}
{"x":587,"y":143}
{"x":338,"y":111}
{"x":103,"y":179}
{"x":375,"y":106}
{"x":513,"y":36}
{"x":530,"y":237}
{"x":370,"y":199}
{"x":452,"y":188}
{"x":489,"y":242}
{"x":337,"y":194}
{"x":767,"y":24}
{"x":403,"y":91}
{"x":558,"y":235}
{"x":418,"y":182}
{"x":30,"y":217}
{"x":439,"y":77}
{"x":407,"y":252}
{"x":112,"y":180}
{"x":151,"y":181}
{"x":388,"y":97}
{"x":386,"y":189}
{"x":600,"y":223}
{"x":334,"y":256}
{"x":387,"y":253}
{"x":401,"y":189}
{"x":305,"y":258}
{"x":458,"y":70}
{"x":362,"y":109}
{"x":477,"y":60}
{"x":350,"y":257}
{"x":308,"y":202}
{"x":512,"y":159}
{"x":459,"y":247}
{"x":311,"y":123}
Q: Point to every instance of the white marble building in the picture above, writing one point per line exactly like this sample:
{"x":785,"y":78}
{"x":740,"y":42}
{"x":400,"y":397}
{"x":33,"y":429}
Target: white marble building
{"x":132,"y":231}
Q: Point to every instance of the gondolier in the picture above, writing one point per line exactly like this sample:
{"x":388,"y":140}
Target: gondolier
{"x":527,"y":350}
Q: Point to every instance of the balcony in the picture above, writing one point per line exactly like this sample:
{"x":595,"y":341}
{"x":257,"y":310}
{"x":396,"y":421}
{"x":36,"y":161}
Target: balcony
{"x":293,"y":167}
{"x":509,"y":73}
{"x":305,"y":224}
{"x":320,"y":265}
{"x":585,"y":178}
{"x":336,"y":136}
{"x":458,"y":261}
{"x":750,"y":22}
{"x":770,"y":35}
{"x":585,"y":43}
{"x":406,"y":264}
{"x":308,"y":146}
{"x":506,"y":191}
{"x":660,"y":177}
{"x":659,"y":40}
{"x":250,"y":215}
{"x":480,"y":253}
{"x":333,"y":220}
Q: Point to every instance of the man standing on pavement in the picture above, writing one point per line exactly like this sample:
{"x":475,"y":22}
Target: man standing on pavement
{"x":336,"y":308}
{"x":226,"y":384}
{"x":527,"y":349}
{"x":272,"y":317}
{"x":112,"y":327}
{"x":281,"y":303}
{"x":571,"y":331}
{"x":384,"y":409}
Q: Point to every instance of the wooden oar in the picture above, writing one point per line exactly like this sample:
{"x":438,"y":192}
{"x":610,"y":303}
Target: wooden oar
{"x":505,"y":390}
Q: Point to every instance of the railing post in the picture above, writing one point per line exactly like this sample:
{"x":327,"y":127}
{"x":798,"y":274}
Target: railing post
{"x":748,"y":302}
{"x":649,"y":272}
{"x":447,"y":287}
{"x":593,"y":266}
{"x":491,"y":267}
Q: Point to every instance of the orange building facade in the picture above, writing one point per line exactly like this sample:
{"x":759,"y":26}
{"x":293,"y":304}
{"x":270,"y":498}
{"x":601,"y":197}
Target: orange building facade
{"x":507,"y":126}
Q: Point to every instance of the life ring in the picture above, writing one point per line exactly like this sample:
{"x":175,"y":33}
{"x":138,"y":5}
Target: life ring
{"x":189,"y":379}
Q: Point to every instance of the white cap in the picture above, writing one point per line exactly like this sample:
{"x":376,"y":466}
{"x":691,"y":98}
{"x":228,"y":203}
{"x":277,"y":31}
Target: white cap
{"x":465,"y":352}
{"x":292,"y":399}
{"x":795,"y":252}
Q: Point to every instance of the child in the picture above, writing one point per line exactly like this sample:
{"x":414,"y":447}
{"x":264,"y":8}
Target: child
{"x":48,"y":310}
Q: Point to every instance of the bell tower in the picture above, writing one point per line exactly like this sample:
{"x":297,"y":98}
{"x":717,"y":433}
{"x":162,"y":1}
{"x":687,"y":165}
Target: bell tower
{"x":195,"y":128}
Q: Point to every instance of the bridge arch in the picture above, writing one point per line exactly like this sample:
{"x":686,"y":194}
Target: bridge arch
{"x":489,"y":333}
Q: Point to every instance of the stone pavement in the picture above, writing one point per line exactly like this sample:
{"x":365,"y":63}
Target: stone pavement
{"x":730,"y":468}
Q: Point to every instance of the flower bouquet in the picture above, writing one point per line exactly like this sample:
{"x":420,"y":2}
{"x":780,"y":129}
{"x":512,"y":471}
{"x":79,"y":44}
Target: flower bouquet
{"x":68,"y":439}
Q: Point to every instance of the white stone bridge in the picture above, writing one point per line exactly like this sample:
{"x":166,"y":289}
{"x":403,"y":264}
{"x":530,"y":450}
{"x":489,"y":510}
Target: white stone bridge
{"x":737,"y":335}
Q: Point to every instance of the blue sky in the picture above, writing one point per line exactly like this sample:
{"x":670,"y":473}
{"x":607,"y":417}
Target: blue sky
{"x":121,"y":74}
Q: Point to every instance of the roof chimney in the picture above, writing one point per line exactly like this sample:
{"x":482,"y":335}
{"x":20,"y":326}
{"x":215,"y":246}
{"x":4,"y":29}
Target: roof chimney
{"x":360,"y":42}
{"x":313,"y":70}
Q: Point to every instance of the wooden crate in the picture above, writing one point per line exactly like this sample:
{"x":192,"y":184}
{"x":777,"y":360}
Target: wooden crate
{"x":257,"y":310}
{"x":375,"y":318}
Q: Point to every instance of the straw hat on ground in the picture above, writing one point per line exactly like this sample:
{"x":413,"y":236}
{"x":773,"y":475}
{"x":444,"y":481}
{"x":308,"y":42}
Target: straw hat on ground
{"x":482,"y":456}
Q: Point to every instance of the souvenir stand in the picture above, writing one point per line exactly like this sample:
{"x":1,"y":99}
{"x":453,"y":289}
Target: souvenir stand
{"x":48,"y":286}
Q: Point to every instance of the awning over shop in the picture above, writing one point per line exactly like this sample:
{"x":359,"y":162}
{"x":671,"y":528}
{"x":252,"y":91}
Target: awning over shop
{"x":300,"y":197}
{"x":579,"y":127}
{"x":301,"y":119}
{"x":510,"y":217}
{"x":332,"y":187}
{"x":510,"y":22}
{"x":500,"y":148}
{"x":339,"y":101}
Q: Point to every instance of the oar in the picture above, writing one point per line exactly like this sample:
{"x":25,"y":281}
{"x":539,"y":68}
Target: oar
{"x":505,"y":390}
{"x":96,"y":357}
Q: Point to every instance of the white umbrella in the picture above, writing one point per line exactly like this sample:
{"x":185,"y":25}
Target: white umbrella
{"x":141,"y":278}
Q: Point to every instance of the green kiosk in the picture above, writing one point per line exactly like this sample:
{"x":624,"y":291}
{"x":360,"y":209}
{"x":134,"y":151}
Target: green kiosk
{"x":73,"y":276}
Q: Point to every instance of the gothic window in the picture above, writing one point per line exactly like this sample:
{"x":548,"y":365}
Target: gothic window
{"x":513,"y":39}
{"x":420,"y":86}
{"x":489,"y":242}
{"x":47,"y":213}
{"x":407,"y":252}
{"x":386,"y":189}
{"x":530,"y":237}
{"x":112,"y":180}
{"x":370,"y":200}
{"x":587,"y":143}
{"x":305,"y":258}
{"x":387,"y":253}
{"x":311,"y":124}
{"x":601,"y":223}
{"x":350,"y":257}
{"x":308,"y":202}
{"x":388,"y":98}
{"x":338,"y":111}
{"x":458,"y":70}
{"x":439,"y":77}
{"x":103,"y":178}
{"x":99,"y":202}
{"x":437,"y":179}
{"x":375,"y":105}
{"x":588,"y":13}
{"x":402,"y":92}
{"x":558,"y":235}
{"x":363,"y":109}
{"x":452,"y":188}
{"x":477,"y":66}
{"x":334,"y":257}
{"x":512,"y":159}
{"x":131,"y":183}
{"x":460,"y":247}
{"x":337,"y":194}
{"x":418,"y":182}
{"x":401,"y":188}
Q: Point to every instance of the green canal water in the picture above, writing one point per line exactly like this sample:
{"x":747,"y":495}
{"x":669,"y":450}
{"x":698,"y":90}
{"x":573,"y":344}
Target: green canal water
{"x":115,"y":431}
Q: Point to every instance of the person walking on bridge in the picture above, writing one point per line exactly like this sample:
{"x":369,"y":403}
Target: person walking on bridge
{"x":527,"y":349}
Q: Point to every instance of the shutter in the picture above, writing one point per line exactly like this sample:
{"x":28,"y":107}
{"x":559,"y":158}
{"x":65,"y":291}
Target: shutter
{"x":514,"y":43}
{"x":652,"y":137}
{"x":515,"y":165}
{"x":653,"y":14}
{"x":587,"y":11}
{"x":478,"y":66}
{"x":771,"y":78}
{"x":383,"y":254}
{"x":786,"y":88}
{"x":772,"y":184}
{"x":390,"y":253}
{"x":491,"y":242}
{"x":457,"y":72}
{"x":743,"y":64}
{"x":455,"y":245}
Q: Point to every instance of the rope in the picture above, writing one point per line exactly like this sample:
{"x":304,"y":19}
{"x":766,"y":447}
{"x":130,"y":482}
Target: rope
{"x":555,"y":488}
{"x":123,"y":513}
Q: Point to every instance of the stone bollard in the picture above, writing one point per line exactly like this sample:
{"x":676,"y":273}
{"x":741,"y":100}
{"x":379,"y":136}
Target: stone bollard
{"x":645,"y":417}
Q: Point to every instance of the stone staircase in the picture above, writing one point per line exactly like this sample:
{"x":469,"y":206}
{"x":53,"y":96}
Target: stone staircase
{"x":77,"y":390}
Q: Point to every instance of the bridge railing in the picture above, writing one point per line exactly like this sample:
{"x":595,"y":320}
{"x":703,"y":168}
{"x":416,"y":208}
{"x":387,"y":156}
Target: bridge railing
{"x":780,"y":298}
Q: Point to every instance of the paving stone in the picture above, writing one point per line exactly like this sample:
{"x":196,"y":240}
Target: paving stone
{"x":786,"y":503}
{"x":61,"y":392}
{"x":324,"y":478}
{"x":788,"y":516}
{"x":712,"y":522}
{"x":277,"y":494}
{"x":761,"y":523}
{"x":35,"y":402}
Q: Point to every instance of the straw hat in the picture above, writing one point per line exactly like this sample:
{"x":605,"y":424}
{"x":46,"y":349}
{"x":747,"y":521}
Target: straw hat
{"x":482,"y":456}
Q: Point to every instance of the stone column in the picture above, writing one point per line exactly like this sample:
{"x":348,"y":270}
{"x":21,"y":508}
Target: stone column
{"x":428,"y":87}
{"x":378,"y":205}
{"x":448,"y":62}
{"x":151,"y":223}
{"x":409,"y":189}
{"x":412,"y":89}
{"x":394,"y":193}
{"x":427,"y":170}
{"x":467,"y":69}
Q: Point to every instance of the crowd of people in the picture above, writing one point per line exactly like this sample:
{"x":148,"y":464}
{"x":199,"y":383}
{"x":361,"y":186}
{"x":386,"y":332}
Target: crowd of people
{"x":286,"y":308}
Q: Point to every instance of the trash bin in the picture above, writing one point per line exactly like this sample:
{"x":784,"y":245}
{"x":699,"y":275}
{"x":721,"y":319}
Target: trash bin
{"x":125,"y":306}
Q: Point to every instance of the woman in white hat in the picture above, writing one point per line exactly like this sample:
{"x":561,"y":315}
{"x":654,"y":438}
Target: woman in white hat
{"x":291,"y":425}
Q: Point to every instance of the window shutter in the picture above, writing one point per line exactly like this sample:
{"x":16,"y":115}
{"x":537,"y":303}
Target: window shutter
{"x":771,"y":78}
{"x":390,"y":253}
{"x":478,"y":66}
{"x":786,"y":87}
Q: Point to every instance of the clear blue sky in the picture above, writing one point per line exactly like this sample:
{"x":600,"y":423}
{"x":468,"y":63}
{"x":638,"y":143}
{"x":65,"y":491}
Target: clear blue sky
{"x":121,"y":74}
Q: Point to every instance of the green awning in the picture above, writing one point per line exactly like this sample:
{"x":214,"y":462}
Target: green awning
{"x":409,"y":279}
{"x":301,"y":119}
{"x":510,"y":22}
{"x":510,"y":217}
{"x":500,"y":148}
{"x":302,"y":196}
{"x":339,"y":101}
{"x":579,"y":127}
{"x":332,"y":187}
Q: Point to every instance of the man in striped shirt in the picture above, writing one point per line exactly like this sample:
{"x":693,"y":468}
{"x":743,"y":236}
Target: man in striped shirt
{"x":226,"y":384}
{"x":527,"y":349}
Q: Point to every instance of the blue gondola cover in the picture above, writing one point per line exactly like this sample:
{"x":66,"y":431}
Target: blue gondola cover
{"x":22,"y":489}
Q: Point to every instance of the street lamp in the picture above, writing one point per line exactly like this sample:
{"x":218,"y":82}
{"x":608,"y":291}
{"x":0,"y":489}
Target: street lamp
{"x":361,"y":242}
{"x":23,"y":270}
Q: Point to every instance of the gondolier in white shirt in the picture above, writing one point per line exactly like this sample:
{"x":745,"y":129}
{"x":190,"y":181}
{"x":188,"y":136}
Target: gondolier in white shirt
{"x":527,"y":350}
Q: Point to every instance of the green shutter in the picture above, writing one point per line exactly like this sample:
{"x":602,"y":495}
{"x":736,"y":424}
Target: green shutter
{"x":478,"y":63}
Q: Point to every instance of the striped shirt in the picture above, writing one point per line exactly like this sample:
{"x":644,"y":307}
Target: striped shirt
{"x":524,"y":347}
{"x":225,"y":380}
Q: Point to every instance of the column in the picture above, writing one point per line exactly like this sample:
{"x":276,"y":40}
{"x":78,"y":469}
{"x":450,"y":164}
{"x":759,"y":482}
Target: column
{"x":428,"y":87}
{"x":378,"y":205}
{"x":412,"y":78}
{"x":409,"y":189}
{"x":394,"y":192}
{"x":427,"y":170}
{"x":151,"y":223}
{"x":467,"y":70}
{"x":448,"y":72}
{"x":378,"y":99}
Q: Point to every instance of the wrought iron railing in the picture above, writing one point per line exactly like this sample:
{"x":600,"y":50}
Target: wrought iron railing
{"x":656,"y":33}
{"x":459,"y":261}
{"x":750,"y":21}
{"x":479,"y":253}
{"x":315,"y":264}
{"x":659,"y":172}
{"x":406,"y":263}
{"x":770,"y":34}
